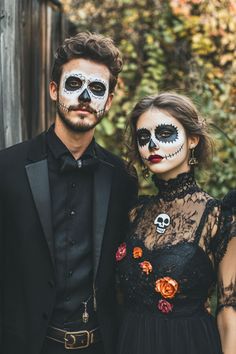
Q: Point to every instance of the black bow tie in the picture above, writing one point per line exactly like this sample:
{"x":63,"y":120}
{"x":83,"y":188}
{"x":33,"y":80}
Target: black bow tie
{"x":69,"y":164}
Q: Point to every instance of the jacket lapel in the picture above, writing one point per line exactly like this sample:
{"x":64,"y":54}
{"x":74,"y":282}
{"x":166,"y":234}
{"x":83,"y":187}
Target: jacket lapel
{"x":102,"y":190}
{"x":37,"y":173}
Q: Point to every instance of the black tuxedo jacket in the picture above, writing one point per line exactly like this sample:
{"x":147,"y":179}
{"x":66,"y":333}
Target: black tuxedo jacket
{"x":27,"y":269}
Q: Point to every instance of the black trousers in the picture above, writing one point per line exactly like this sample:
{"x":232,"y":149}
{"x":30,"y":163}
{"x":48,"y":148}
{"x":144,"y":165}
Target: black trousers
{"x":53,"y":347}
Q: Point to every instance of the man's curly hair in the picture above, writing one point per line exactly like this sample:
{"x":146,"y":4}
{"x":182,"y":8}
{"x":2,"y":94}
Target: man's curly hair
{"x":89,"y":46}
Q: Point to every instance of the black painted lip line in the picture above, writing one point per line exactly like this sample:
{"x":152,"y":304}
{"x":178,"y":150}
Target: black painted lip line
{"x":175,"y":153}
{"x":166,"y":156}
{"x":144,"y":158}
{"x":63,"y":107}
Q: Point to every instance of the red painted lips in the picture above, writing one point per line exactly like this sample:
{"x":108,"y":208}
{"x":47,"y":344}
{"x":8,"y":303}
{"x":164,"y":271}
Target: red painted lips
{"x":155,"y":158}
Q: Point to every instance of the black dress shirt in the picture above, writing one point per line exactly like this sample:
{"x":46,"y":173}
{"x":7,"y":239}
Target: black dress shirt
{"x":72,"y":200}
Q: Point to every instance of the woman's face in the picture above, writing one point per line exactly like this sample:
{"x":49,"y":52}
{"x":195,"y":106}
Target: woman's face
{"x":163,"y":143}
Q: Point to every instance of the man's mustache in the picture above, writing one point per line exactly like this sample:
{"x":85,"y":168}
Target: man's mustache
{"x":82,"y":107}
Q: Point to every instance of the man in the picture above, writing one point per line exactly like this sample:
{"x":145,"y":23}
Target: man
{"x":63,"y":212}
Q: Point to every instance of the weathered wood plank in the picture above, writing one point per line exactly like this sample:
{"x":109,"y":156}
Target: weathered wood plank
{"x":10,"y":98}
{"x":30,"y":31}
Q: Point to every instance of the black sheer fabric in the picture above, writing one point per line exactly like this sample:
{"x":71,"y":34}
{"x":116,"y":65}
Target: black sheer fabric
{"x":168,"y":266}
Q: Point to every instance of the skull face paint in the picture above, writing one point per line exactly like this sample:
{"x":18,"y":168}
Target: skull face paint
{"x":83,"y":94}
{"x":162,"y":143}
{"x":166,"y":133}
{"x":90,"y":89}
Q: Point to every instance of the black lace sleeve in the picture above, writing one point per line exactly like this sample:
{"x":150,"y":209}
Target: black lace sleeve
{"x":226,"y":226}
{"x":225,"y":252}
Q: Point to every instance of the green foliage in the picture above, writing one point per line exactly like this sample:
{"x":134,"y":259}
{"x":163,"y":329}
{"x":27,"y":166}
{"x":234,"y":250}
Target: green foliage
{"x":187,"y":46}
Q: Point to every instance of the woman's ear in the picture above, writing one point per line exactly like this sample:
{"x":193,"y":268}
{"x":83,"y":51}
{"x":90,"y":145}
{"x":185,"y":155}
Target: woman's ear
{"x":53,"y":90}
{"x":193,"y":141}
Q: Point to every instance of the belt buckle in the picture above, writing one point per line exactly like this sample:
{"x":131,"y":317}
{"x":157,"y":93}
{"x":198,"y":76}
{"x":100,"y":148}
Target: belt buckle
{"x":71,"y":340}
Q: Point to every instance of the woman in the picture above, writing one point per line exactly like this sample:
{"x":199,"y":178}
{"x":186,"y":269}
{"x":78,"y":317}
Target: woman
{"x":181,"y":241}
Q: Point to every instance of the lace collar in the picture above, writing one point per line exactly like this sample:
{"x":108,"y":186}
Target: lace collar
{"x":177,"y":187}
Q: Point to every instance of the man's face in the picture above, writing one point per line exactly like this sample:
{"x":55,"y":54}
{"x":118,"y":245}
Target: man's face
{"x":163,"y":144}
{"x":83,"y":94}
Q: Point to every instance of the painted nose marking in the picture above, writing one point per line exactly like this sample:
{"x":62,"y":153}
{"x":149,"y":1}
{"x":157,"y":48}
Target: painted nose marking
{"x":85,"y":97}
{"x":151,"y":144}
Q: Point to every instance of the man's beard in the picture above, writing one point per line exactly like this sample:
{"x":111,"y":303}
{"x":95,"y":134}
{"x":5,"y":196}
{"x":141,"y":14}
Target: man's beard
{"x":77,"y":127}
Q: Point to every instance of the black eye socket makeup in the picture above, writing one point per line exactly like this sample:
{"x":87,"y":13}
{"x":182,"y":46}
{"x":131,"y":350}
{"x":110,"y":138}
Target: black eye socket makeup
{"x":166,"y":133}
{"x":143,"y":136}
{"x":97,"y":88}
{"x":73,"y":83}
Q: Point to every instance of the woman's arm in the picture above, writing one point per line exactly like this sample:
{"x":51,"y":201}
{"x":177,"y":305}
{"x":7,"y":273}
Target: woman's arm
{"x":226,"y":320}
{"x":226,"y":317}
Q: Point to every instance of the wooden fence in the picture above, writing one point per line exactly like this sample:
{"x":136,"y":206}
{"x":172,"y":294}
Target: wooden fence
{"x":30,"y":31}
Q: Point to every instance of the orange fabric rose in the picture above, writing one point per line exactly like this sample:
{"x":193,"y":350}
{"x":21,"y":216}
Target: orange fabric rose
{"x":146,"y":267}
{"x":167,"y":287}
{"x":137,"y":252}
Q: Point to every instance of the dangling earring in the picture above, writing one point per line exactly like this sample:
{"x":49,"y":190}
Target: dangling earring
{"x":145,"y":173}
{"x":192,"y":160}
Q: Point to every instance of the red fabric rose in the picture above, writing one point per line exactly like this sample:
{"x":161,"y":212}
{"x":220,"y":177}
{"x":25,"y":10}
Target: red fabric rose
{"x":164,"y":306}
{"x":121,"y":252}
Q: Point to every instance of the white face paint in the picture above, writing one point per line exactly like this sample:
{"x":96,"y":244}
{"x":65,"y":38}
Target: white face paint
{"x":162,"y":143}
{"x":77,"y":86}
{"x":83,"y":94}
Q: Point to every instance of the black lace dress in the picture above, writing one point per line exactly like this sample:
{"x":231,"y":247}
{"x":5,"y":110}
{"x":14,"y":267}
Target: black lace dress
{"x":168,"y":266}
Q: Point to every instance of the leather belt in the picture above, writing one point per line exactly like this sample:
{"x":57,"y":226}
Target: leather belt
{"x":74,"y":340}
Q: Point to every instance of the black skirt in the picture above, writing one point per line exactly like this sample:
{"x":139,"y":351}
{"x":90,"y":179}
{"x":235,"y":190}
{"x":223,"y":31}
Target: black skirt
{"x":144,"y":333}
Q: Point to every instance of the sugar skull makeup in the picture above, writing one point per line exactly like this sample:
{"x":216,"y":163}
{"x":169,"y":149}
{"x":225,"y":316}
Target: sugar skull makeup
{"x":79,"y":87}
{"x":162,"y":142}
{"x":165,"y":133}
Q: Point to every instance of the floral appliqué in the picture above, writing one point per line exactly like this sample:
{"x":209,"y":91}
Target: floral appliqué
{"x":121,"y":252}
{"x":167,"y":287}
{"x":164,"y":306}
{"x":146,"y":267}
{"x":137,"y":252}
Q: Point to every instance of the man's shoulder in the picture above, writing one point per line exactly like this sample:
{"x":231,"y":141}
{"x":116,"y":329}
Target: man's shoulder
{"x":20,"y":149}
{"x":14,"y":148}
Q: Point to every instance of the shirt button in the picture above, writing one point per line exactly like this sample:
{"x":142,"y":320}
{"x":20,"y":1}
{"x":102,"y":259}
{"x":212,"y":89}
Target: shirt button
{"x":72,"y":213}
{"x":73,"y":185}
{"x":69,"y":274}
{"x":68,"y":298}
